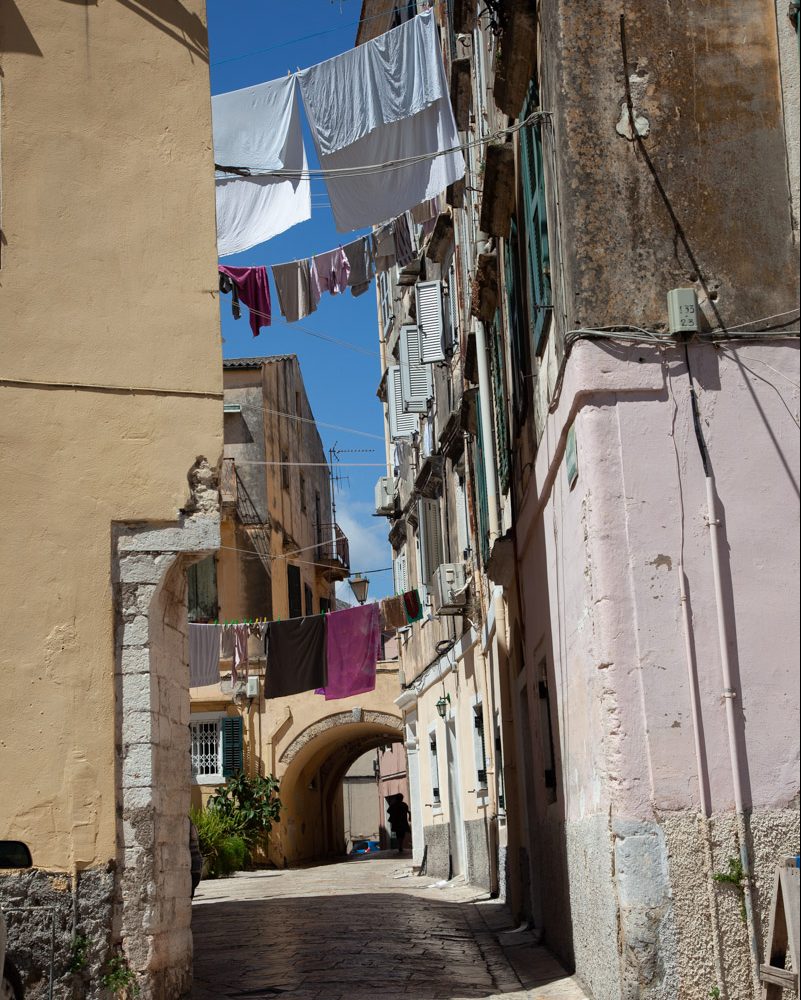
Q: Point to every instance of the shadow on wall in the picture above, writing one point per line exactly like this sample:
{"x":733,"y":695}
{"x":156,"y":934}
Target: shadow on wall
{"x":169,"y":16}
{"x":15,"y":36}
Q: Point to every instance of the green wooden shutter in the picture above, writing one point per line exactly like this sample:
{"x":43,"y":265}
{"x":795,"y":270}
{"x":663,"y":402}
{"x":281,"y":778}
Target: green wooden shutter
{"x":517,"y":321}
{"x":232,"y":745}
{"x":536,"y":223}
{"x":500,"y":402}
{"x":482,"y":504}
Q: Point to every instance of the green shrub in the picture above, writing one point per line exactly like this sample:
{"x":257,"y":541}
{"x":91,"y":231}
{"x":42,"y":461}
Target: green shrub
{"x":215,"y":833}
{"x":232,"y":856}
{"x":251,"y":806}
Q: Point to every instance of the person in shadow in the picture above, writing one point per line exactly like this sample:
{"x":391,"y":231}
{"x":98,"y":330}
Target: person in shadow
{"x":399,"y":813}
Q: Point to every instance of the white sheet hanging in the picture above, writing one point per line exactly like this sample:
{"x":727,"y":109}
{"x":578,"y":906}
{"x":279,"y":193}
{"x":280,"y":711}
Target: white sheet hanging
{"x":259,"y":128}
{"x":388,"y":102}
{"x":392,"y":77}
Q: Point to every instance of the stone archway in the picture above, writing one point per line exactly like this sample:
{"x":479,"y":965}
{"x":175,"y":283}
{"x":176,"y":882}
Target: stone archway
{"x":311,"y":769}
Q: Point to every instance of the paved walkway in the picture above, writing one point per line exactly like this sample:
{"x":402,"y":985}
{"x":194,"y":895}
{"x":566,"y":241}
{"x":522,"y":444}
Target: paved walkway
{"x":365,"y":929}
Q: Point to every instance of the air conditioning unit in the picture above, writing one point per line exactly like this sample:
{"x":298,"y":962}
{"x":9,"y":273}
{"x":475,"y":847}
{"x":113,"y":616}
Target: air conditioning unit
{"x":449,"y":591}
{"x":385,"y":495}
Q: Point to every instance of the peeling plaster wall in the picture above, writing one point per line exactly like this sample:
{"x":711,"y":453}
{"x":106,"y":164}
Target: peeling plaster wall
{"x":705,"y":87}
{"x":609,"y":612}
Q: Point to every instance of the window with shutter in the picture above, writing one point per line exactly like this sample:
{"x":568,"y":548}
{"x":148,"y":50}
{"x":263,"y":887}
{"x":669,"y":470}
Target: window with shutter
{"x":428,"y":295}
{"x":206,"y":749}
{"x":482,"y":504}
{"x":201,"y":580}
{"x":401,"y":571}
{"x":546,"y":731}
{"x":515,"y":311}
{"x":479,"y":746}
{"x":293,"y":587}
{"x":499,"y":402}
{"x":536,"y":225}
{"x":430,"y":531}
{"x":434,"y":759}
{"x":401,"y":424}
{"x":232,"y":745}
{"x":417,"y":381}
{"x":308,"y":599}
{"x":462,"y":531}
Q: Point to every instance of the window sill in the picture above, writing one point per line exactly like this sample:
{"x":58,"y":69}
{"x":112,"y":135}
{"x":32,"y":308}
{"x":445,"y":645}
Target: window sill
{"x":208,"y":779}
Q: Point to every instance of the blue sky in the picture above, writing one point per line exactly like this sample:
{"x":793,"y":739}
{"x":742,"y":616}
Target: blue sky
{"x":252,"y":41}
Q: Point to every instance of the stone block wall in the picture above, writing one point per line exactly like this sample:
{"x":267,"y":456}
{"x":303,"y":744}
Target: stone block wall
{"x":437,"y":840}
{"x":153,"y":908}
{"x":477,"y":849}
{"x":50,"y":913}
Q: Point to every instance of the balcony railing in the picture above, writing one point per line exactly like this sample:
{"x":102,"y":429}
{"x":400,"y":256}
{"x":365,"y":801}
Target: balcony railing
{"x":333,"y":552}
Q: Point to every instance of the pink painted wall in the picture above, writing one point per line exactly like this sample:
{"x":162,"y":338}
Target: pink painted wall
{"x":614,"y":544}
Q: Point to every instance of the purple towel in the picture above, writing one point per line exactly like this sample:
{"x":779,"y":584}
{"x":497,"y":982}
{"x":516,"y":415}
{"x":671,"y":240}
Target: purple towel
{"x":254,"y":291}
{"x":354,"y":643}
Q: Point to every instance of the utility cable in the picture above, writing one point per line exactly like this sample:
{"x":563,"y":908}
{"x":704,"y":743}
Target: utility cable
{"x":374,"y":168}
{"x":321,"y":423}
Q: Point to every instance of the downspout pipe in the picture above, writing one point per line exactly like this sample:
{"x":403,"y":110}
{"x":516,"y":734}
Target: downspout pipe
{"x":729,"y":692}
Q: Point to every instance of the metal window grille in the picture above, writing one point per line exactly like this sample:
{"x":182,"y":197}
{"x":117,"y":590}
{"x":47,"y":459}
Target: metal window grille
{"x":206,"y":748}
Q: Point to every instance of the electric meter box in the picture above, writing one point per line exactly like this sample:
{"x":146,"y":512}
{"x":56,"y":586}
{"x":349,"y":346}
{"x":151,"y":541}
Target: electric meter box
{"x":682,"y":310}
{"x":253,"y":687}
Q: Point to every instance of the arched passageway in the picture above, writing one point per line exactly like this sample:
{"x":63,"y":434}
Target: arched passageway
{"x":311,"y":769}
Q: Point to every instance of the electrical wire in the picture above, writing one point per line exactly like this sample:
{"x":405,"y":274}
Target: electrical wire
{"x":374,"y":168}
{"x":248,"y":554}
{"x":315,"y":465}
{"x":313,"y":333}
{"x":322,"y":423}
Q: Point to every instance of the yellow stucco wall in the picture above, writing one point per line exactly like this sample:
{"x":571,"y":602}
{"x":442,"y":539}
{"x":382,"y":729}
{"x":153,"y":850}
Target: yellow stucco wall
{"x":108,"y":259}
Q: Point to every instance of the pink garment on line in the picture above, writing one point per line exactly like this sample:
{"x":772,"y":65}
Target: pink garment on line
{"x":240,"y":660}
{"x":330,"y":271}
{"x":254,"y":291}
{"x":354,"y":644}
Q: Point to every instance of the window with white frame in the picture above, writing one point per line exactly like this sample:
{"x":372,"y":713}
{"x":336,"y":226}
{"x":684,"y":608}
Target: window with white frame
{"x":434,"y":757}
{"x":206,"y":749}
{"x":217,"y":747}
{"x":479,"y":746}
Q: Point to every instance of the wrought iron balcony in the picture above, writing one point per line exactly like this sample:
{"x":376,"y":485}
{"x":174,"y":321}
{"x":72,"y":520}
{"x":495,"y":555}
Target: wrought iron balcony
{"x":333,"y":552}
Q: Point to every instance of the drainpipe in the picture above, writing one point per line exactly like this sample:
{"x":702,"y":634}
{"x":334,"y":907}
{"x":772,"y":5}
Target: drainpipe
{"x":491,"y":466}
{"x":703,"y":796}
{"x":729,"y":693}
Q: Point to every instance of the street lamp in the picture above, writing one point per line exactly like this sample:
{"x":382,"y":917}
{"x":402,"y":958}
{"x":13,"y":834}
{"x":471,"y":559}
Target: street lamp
{"x":442,"y":705}
{"x":359,"y":585}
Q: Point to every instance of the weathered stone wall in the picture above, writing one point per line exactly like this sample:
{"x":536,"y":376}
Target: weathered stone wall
{"x":43,"y":907}
{"x":477,"y":850}
{"x":153,"y":909}
{"x":707,"y":177}
{"x":437,"y":842}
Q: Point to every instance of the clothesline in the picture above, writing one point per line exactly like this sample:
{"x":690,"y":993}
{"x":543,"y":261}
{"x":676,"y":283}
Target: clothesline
{"x":313,"y":173}
{"x":334,"y":653}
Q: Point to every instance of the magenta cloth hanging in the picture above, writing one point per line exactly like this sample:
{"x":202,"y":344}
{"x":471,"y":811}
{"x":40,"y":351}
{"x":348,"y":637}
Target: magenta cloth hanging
{"x":354,"y":644}
{"x":254,"y":291}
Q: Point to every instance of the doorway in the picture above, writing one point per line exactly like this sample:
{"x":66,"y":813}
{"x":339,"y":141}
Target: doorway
{"x":454,"y":800}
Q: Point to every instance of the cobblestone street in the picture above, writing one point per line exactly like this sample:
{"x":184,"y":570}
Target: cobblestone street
{"x":361,"y":930}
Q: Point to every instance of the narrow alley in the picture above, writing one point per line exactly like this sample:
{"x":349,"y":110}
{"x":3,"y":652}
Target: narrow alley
{"x":361,"y":929}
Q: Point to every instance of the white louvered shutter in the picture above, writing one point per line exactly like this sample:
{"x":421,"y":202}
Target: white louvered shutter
{"x":401,"y":572}
{"x":453,"y":307}
{"x":417,"y":379}
{"x":430,"y":531}
{"x":429,"y":320}
{"x":401,"y":424}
